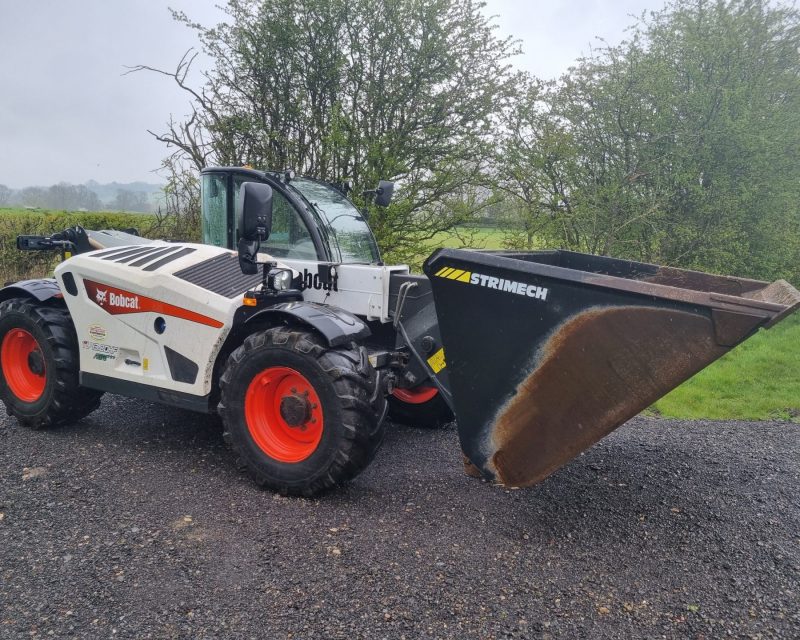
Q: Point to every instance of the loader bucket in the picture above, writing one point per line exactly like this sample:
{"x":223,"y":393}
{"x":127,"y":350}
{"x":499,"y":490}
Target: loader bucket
{"x":549,"y":351}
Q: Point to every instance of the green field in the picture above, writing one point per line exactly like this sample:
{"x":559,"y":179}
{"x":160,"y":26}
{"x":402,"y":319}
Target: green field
{"x":476,"y":237}
{"x":759,"y":380}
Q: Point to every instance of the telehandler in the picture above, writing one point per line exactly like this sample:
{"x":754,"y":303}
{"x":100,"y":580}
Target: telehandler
{"x":287,"y":323}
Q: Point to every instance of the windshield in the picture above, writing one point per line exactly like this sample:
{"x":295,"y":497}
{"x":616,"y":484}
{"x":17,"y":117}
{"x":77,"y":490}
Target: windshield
{"x":349,"y":234}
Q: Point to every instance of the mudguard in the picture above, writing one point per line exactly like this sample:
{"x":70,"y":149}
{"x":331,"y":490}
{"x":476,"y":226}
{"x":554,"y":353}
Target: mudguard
{"x":336,"y":325}
{"x":41,"y":290}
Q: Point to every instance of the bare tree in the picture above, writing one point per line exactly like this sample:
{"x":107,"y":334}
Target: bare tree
{"x":178,"y":215}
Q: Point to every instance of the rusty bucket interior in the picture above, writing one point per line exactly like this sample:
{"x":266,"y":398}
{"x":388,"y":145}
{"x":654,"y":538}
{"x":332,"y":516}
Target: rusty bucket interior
{"x":549,"y":351}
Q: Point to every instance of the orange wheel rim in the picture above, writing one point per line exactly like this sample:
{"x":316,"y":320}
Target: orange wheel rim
{"x":283,"y":414}
{"x":417,"y":395}
{"x":23,"y":365}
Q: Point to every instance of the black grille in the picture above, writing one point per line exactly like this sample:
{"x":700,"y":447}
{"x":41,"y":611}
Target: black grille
{"x":149,"y":257}
{"x":167,"y":259}
{"x":129,"y":252}
{"x":220,"y":275}
{"x":103,"y":254}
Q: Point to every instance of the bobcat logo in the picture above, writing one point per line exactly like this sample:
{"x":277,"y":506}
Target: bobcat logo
{"x":100,"y":296}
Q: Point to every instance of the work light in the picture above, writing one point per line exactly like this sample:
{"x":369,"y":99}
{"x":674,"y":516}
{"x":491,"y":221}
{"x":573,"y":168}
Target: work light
{"x":279,"y":279}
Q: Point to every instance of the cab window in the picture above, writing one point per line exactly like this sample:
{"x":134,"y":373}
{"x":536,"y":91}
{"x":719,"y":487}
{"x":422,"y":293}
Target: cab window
{"x":214,"y":192}
{"x":349,"y":236}
{"x":289,"y":237}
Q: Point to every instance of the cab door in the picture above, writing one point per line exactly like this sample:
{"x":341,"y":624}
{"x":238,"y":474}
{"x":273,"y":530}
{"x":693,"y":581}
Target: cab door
{"x":214,"y":205}
{"x":290,"y":236}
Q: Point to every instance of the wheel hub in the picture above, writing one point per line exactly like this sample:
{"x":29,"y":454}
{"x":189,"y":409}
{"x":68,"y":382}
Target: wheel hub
{"x":283,"y":412}
{"x":23,"y":365}
{"x":36,"y":362}
{"x":296,"y":410}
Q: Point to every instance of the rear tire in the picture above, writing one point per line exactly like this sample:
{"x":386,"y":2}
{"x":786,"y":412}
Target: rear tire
{"x":40,"y":365}
{"x":301,"y":418}
{"x":414,"y":408}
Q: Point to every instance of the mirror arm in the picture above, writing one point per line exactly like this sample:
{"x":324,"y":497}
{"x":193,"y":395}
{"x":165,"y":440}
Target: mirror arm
{"x":248,"y":255}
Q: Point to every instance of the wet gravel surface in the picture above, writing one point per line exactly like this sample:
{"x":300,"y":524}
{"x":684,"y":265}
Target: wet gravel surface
{"x":136,"y":524}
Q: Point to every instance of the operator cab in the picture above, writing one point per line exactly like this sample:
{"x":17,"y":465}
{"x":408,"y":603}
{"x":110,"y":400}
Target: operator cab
{"x":311,"y":220}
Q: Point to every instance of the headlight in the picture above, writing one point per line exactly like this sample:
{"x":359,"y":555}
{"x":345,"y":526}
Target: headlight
{"x":279,"y":279}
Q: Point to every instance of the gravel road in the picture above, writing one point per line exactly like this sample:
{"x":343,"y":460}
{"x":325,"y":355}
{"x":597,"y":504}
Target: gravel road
{"x":136,"y":524}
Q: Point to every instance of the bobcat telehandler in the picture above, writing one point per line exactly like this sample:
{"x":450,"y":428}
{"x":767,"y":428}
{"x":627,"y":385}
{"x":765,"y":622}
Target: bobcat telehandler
{"x":288,"y":324}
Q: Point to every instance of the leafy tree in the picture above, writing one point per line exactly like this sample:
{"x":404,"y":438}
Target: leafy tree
{"x":32,"y":197}
{"x":127,"y":200}
{"x":178,"y":215}
{"x":71,"y":197}
{"x":534,"y":168}
{"x":5,"y":195}
{"x":354,"y":89}
{"x":678,"y":146}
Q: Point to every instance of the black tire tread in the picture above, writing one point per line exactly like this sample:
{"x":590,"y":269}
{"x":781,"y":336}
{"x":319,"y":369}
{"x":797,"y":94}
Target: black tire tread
{"x":355,"y":384}
{"x":70,"y":402}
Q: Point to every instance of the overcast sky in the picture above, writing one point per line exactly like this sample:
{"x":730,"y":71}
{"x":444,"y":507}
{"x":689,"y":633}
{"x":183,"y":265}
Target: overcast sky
{"x":67,"y":112}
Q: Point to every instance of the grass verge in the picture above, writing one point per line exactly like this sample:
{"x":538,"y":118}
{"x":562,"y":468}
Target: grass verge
{"x":759,"y":380}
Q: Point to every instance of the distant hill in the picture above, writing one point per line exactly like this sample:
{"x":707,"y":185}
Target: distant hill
{"x":108,"y":192}
{"x":141,"y":197}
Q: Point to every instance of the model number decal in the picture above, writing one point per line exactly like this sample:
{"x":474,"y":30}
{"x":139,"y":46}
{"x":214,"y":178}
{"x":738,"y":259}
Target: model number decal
{"x":105,"y":349}
{"x":492,"y":282}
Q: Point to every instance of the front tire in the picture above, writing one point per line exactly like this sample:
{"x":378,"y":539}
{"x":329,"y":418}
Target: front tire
{"x":39,"y":365}
{"x":302,"y":418}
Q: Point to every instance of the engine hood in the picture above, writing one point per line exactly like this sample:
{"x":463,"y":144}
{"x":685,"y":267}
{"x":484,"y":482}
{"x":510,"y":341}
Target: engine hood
{"x":213,"y":269}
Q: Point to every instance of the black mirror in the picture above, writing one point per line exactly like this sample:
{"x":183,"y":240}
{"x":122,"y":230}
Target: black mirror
{"x":384,"y":192}
{"x":254,"y":222}
{"x":254,"y":211}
